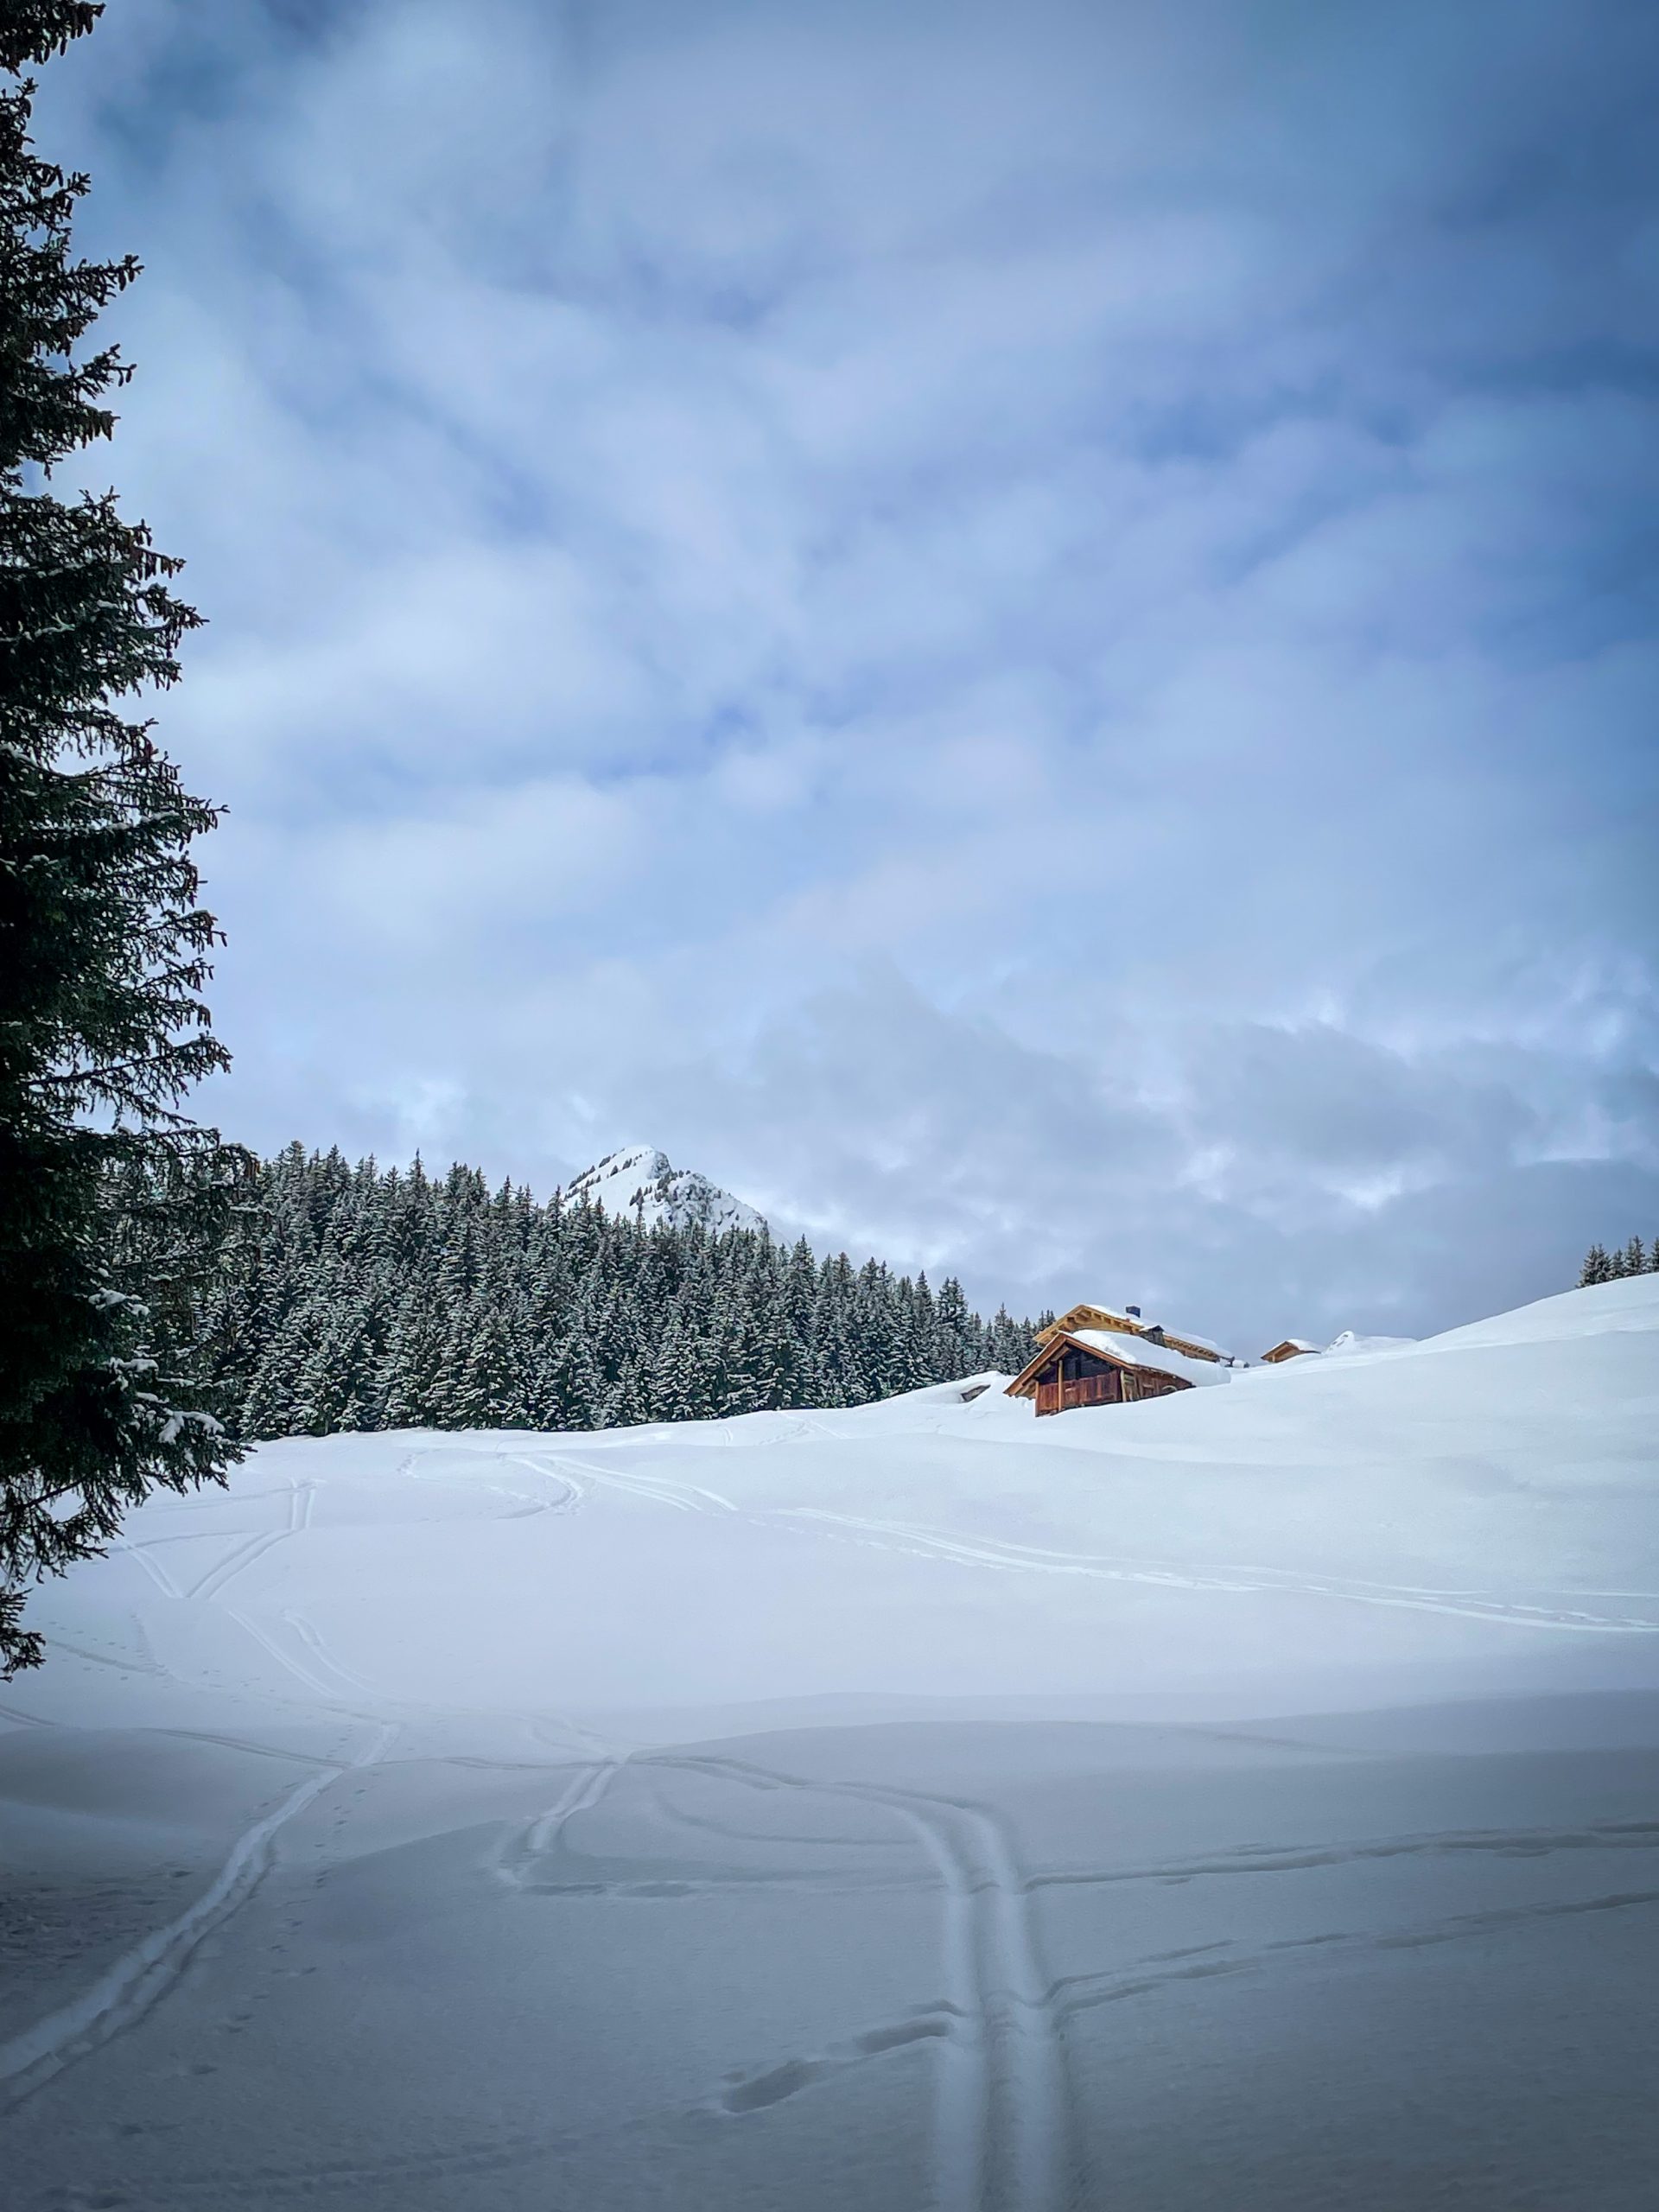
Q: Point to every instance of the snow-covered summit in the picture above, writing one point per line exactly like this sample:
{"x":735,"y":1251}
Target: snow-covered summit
{"x":643,"y":1182}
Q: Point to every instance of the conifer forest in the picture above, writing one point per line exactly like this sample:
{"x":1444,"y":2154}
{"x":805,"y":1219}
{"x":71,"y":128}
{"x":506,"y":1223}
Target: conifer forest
{"x":357,"y":1297}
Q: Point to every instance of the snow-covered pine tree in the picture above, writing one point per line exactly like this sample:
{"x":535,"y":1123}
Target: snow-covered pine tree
{"x":666,"y":1377}
{"x":628,"y":1405}
{"x":415,"y":1347}
{"x":336,"y":1386}
{"x":776,"y":1364}
{"x":1012,"y":1342}
{"x":959,"y":1349}
{"x":579,"y":1399}
{"x":838,"y":1376}
{"x":1596,"y":1268}
{"x":493,"y":1387}
{"x":104,"y":949}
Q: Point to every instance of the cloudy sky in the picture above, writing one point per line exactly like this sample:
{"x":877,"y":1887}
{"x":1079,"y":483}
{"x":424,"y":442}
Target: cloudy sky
{"x":1026,"y":631}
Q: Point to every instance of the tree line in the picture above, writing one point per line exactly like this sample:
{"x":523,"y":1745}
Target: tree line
{"x":1634,"y":1259}
{"x":356,"y":1297}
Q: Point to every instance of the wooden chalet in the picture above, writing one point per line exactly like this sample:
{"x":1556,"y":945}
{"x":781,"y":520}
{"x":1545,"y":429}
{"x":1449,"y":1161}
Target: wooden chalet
{"x":1289,"y":1348}
{"x":1100,"y":1356}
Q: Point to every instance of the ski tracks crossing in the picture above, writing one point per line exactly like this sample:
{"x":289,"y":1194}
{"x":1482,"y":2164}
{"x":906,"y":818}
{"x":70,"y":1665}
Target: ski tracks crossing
{"x":302,"y":1498}
{"x":131,"y":1989}
{"x":661,"y":1489}
{"x":1004,"y":2136}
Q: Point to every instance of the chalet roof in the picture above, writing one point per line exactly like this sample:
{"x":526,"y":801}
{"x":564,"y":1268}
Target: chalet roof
{"x":1128,"y":1351}
{"x":1157,"y":1359}
{"x":1205,"y":1344}
{"x":1128,"y":1324}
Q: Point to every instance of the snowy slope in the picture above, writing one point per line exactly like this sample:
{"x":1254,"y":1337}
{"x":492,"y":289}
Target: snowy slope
{"x":640,"y":1181}
{"x":920,"y":1805}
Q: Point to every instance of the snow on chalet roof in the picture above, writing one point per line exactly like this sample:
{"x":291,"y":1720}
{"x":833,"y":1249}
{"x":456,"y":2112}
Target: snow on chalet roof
{"x":1205,"y":1344}
{"x":1138,"y":1323}
{"x":1136,"y":1351}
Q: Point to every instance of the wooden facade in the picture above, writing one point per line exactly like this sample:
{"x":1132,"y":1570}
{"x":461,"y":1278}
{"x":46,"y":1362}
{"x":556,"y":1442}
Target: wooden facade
{"x":1065,"y":1373}
{"x":1291,"y":1348}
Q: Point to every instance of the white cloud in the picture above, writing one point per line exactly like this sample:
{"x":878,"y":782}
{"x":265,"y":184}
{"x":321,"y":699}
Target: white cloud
{"x":1136,"y":523}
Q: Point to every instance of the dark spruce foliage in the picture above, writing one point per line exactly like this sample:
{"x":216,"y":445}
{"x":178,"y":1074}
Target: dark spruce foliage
{"x":108,"y":1194}
{"x":358,"y":1298}
{"x":1634,"y":1259}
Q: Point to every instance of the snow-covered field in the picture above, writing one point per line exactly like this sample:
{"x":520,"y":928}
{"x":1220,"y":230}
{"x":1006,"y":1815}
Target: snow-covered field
{"x":1248,"y":1799}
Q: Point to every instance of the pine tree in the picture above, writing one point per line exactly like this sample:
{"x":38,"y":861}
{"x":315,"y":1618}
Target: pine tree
{"x":492,"y":1390}
{"x":1596,"y":1268}
{"x":104,"y":950}
{"x":414,"y":1355}
{"x":629,"y":1406}
{"x":578,"y":1393}
{"x":1012,"y":1342}
{"x":669,"y":1379}
{"x":957,"y":1336}
{"x":777,"y":1370}
{"x":274,"y":1404}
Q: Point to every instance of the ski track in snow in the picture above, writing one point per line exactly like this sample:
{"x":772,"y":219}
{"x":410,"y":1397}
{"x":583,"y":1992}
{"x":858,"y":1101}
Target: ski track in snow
{"x":1077,"y":1994}
{"x":1004,"y":2126}
{"x":991,"y":1552}
{"x":895,"y":1535}
{"x":1003,"y":2130}
{"x":302,"y":1498}
{"x":661,"y":1489}
{"x":153,"y":1568}
{"x":322,"y":1690}
{"x":539,"y":1839}
{"x":575,"y":1474}
{"x":1004,"y":2133}
{"x":123,"y":1997}
{"x":1523,"y":1843}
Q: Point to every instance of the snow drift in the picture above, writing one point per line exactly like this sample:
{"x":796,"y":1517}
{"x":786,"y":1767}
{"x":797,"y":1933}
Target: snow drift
{"x":923,"y":1804}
